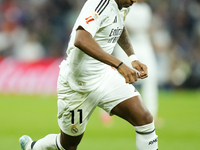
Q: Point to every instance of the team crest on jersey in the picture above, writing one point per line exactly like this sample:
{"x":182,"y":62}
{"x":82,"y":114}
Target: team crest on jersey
{"x":74,"y":129}
{"x":95,"y":15}
{"x":91,"y":18}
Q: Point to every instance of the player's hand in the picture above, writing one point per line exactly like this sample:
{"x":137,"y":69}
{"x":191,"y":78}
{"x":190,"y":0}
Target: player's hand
{"x":129,"y":74}
{"x":142,"y":68}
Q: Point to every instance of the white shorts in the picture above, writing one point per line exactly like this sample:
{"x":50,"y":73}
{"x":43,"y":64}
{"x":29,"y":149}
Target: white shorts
{"x":75,"y":108}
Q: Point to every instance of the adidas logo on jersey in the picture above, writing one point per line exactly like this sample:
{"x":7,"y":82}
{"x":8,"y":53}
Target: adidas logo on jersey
{"x":115,"y":20}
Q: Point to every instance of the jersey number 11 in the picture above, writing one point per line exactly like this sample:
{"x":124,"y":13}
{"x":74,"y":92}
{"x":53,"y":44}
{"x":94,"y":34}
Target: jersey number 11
{"x":80,"y":115}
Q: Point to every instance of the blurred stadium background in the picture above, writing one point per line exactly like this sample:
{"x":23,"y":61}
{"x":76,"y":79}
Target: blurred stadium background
{"x":33,"y":40}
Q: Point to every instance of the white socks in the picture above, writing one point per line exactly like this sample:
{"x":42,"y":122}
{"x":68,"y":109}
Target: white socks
{"x":50,"y":142}
{"x":146,"y":138}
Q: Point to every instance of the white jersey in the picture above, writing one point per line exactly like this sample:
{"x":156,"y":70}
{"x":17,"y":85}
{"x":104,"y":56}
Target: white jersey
{"x":105,"y":22}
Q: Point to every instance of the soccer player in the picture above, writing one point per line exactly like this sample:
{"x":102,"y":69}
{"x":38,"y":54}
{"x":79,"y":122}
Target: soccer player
{"x":92,"y":77}
{"x":139,"y":34}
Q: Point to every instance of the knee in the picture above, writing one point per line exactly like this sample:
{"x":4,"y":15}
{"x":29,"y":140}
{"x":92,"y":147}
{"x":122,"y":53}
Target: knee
{"x":146,"y":118}
{"x":143,"y":119}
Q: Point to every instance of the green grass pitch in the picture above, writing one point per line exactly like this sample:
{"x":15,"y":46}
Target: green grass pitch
{"x":35,"y":115}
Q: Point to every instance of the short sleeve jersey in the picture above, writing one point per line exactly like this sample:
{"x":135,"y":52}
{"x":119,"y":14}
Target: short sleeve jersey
{"x":105,"y":22}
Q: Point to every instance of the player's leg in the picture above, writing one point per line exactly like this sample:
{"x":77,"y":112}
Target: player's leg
{"x":124,"y":100}
{"x":50,"y":142}
{"x":70,"y":142}
{"x":74,"y":111}
{"x":62,"y":141}
{"x":134,"y":111}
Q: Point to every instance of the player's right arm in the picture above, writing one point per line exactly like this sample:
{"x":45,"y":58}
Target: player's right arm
{"x":85,"y":42}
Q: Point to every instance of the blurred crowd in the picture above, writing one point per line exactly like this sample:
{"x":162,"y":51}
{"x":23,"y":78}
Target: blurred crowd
{"x":177,"y":38}
{"x":33,"y":29}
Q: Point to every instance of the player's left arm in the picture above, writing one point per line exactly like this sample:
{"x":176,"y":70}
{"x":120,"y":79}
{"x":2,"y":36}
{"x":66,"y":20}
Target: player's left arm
{"x":125,"y":44}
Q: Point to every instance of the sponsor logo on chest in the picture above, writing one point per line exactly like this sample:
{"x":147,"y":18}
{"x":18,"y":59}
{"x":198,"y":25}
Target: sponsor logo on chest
{"x":114,"y":35}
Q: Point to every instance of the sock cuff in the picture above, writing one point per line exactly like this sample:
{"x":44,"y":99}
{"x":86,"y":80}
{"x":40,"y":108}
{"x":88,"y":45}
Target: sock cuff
{"x":145,"y":129}
{"x":58,"y":145}
{"x":32,"y":144}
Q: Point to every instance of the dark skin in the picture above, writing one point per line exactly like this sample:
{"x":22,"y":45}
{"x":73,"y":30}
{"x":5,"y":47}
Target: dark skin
{"x":126,"y":46}
{"x":87,"y":44}
{"x":125,"y":3}
{"x":132,"y":109}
